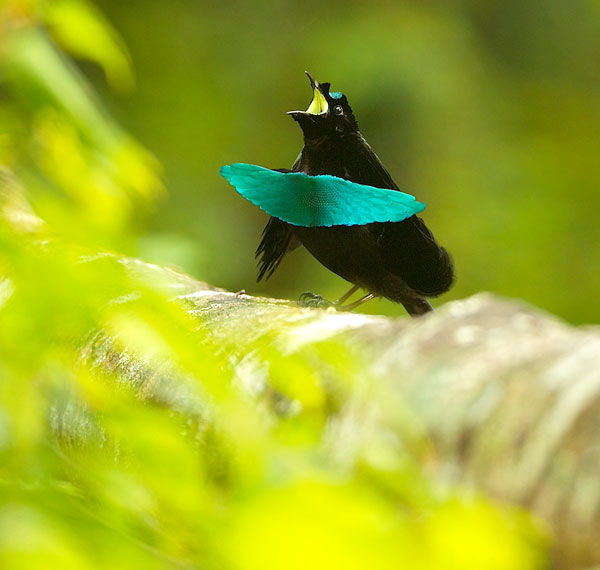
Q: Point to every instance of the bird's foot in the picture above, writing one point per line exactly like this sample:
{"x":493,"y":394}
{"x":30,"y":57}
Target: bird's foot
{"x":309,"y":299}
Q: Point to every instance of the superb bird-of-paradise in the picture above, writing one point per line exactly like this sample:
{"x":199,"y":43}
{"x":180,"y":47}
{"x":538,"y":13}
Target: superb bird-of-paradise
{"x":340,"y":202}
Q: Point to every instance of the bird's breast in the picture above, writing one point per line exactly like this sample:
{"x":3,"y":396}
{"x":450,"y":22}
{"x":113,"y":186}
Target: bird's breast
{"x":351,"y":252}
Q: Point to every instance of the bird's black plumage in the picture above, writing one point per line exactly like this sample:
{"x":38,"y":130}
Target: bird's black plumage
{"x":400,"y":261}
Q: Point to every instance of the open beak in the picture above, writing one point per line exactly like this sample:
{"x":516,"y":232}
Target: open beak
{"x":318,"y":105}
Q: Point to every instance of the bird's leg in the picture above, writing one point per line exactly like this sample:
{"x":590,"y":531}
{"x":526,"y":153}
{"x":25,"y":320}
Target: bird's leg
{"x":309,"y":299}
{"x":346,"y":295}
{"x":362,"y":300}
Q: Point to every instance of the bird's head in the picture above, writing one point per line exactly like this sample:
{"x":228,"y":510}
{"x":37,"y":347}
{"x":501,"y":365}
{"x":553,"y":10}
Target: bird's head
{"x":328,"y":114}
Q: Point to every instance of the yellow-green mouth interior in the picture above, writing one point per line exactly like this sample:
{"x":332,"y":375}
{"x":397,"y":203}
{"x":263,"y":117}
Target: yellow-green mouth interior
{"x":318,"y":105}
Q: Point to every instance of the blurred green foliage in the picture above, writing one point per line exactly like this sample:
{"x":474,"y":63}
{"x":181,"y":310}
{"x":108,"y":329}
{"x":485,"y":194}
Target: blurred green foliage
{"x":103,"y":467}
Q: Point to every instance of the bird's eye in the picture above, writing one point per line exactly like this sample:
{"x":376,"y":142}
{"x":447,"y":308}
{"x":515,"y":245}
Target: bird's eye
{"x":338,"y":110}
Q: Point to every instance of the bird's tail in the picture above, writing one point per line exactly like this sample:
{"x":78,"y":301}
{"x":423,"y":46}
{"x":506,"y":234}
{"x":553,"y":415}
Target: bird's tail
{"x":413,"y":254}
{"x":416,"y":306}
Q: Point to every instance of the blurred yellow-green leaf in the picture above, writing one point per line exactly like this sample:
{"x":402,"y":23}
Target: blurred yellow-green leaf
{"x":82,"y":30}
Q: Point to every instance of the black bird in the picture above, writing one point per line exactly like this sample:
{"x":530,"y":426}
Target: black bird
{"x":398,"y":260}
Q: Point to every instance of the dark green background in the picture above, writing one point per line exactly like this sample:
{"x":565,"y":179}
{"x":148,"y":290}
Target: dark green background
{"x":487,"y":111}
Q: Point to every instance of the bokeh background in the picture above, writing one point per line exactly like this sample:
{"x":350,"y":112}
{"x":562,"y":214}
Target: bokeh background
{"x":115,"y":118}
{"x":487,"y":111}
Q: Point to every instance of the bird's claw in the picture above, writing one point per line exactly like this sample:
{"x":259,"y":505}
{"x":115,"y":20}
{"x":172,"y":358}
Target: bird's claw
{"x":309,"y":299}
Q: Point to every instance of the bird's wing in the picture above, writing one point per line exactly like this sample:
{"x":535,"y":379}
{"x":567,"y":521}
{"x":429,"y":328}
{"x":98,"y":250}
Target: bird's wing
{"x":277,"y":240}
{"x":323,"y":200}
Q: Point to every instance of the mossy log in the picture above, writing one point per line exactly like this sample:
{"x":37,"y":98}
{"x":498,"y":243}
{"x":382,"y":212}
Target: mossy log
{"x":508,"y":395}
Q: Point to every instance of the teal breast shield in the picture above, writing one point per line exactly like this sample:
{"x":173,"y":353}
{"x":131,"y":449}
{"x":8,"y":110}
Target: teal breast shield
{"x":323,"y":200}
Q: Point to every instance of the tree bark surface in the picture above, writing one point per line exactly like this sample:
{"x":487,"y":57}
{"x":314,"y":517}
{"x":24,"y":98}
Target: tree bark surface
{"x":508,"y":395}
